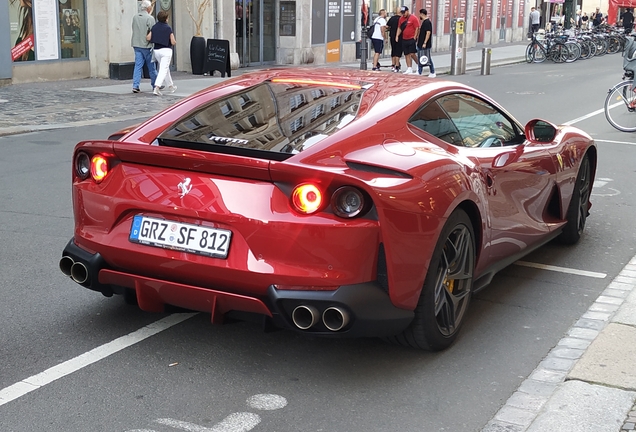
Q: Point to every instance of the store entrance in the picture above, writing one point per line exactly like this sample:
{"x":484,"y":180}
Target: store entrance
{"x":255,"y":32}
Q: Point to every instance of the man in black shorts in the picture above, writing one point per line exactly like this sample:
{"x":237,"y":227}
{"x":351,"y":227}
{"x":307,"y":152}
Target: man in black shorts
{"x":408,"y":28}
{"x":396,"y":47}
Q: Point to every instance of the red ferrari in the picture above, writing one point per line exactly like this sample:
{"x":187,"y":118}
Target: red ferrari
{"x":331,"y":202}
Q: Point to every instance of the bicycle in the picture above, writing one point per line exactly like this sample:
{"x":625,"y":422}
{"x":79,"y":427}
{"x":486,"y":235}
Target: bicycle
{"x":620,"y":104}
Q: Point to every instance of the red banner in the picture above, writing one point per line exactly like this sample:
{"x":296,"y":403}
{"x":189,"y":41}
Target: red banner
{"x":22,"y":48}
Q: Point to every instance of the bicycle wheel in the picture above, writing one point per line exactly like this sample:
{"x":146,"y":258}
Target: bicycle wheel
{"x":574,"y":51}
{"x":530,"y":53}
{"x":585,"y":51}
{"x":620,"y":107}
{"x":559,"y":52}
{"x":538,"y":54}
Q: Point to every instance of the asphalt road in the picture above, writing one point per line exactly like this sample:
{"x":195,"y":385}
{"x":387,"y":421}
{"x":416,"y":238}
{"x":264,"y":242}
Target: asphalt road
{"x":198,"y":377}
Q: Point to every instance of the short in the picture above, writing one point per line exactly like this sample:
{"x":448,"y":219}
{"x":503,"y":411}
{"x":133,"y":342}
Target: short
{"x":378,"y":45}
{"x":396,"y":48}
{"x":409,"y":46}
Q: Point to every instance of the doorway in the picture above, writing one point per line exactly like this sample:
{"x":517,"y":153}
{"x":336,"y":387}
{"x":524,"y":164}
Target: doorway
{"x":255,"y":31}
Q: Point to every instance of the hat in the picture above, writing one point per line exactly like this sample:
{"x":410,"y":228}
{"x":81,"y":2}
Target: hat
{"x":403,"y":9}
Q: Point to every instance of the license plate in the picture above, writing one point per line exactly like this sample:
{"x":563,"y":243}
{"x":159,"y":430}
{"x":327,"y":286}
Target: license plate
{"x":180,"y":236}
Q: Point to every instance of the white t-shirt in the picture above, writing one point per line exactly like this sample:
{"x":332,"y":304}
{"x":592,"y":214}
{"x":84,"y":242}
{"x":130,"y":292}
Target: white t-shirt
{"x":535,"y":16}
{"x":377,"y":28}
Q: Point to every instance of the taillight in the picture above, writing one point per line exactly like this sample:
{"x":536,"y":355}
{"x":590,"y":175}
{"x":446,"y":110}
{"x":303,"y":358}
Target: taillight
{"x":83,"y":165}
{"x":99,"y":168}
{"x":347,"y":202}
{"x":307,"y":198}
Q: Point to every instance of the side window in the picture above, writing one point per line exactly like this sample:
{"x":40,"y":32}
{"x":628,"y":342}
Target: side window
{"x":479,"y":123}
{"x":432,"y":119}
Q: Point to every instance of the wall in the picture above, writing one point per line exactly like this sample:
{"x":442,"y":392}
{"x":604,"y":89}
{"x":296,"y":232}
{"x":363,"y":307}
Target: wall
{"x":5,"y":44}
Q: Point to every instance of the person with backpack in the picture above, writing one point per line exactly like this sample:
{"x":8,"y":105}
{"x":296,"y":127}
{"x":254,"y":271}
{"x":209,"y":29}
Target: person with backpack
{"x":377,"y":32}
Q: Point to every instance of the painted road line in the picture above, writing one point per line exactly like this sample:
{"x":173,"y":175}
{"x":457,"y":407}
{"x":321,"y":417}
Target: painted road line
{"x":34,"y":382}
{"x":615,"y":142}
{"x":266,"y":402}
{"x":587,"y":116}
{"x":562,"y":269}
{"x":235,"y":422}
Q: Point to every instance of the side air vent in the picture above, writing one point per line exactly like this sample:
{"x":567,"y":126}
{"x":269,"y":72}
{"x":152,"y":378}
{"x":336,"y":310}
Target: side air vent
{"x":377,"y":170}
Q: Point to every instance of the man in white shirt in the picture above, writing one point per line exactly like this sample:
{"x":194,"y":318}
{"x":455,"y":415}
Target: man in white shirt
{"x":535,"y":19}
{"x":378,"y":31}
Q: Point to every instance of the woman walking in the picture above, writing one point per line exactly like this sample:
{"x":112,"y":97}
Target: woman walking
{"x":162,"y":37}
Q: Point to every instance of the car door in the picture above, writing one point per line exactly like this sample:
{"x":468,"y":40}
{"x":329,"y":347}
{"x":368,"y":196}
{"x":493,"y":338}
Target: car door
{"x":518,"y":176}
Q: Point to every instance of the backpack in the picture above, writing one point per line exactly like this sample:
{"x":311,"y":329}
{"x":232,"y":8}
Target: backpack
{"x":629,"y":54}
{"x":371,"y":28}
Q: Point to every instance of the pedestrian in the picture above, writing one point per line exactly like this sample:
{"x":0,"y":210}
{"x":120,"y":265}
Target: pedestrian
{"x":408,"y":28}
{"x":628,"y":21}
{"x":396,"y":45}
{"x":424,"y":44}
{"x":585,"y":21}
{"x":597,"y":18}
{"x":163,"y":40}
{"x":141,"y":24}
{"x":377,"y":38}
{"x":535,"y":19}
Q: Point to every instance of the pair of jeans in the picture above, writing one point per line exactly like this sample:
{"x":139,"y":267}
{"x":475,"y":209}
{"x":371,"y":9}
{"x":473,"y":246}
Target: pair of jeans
{"x":427,"y":53}
{"x":143,"y":56}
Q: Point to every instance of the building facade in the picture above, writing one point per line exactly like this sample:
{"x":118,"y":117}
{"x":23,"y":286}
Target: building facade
{"x":66,"y":39}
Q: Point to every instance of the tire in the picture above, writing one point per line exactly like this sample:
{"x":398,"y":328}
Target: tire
{"x":538,"y":54}
{"x":529,"y":53}
{"x":574,"y":52}
{"x":617,"y":107}
{"x":559,"y":52}
{"x":579,"y":208}
{"x":447,"y":288}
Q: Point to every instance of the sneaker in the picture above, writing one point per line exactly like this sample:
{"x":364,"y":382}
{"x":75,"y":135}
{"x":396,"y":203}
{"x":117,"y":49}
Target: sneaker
{"x":395,"y":69}
{"x":136,"y":90}
{"x":157,"y":92}
{"x":172,"y":88}
{"x":375,"y":69}
{"x":432,"y":75}
{"x":408,"y":71}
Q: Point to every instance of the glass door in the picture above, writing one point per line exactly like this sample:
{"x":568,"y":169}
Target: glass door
{"x":255,"y":31}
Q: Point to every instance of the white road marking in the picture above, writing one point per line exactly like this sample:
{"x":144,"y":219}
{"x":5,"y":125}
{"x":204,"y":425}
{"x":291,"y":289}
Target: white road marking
{"x":615,"y":142}
{"x":34,"y":382}
{"x":235,"y":422}
{"x":266,"y":402}
{"x":562,"y":269}
{"x":587,"y":116}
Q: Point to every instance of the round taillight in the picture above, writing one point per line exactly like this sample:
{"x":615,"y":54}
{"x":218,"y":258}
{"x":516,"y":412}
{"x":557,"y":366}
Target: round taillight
{"x":306,"y":198}
{"x":347,"y":202}
{"x":83,"y":165}
{"x":99,"y":168}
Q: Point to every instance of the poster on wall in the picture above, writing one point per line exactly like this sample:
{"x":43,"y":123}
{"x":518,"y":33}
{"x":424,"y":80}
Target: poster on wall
{"x":447,"y":16}
{"x":463,"y":9}
{"x":21,"y":31}
{"x":45,"y":19}
{"x":333,"y":30}
{"x":488,"y":15}
{"x":481,"y":24}
{"x":522,"y":8}
{"x":348,"y":21}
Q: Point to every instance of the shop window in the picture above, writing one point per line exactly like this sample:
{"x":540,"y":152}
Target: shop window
{"x":38,"y":34}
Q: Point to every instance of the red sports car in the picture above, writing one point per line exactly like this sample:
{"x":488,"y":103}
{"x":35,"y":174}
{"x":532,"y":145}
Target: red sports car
{"x":331,"y":202}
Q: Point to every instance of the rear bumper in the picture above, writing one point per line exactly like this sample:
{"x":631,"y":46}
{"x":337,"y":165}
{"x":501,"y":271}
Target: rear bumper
{"x":367,"y":306}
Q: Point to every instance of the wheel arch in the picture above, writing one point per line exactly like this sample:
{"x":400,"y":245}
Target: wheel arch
{"x":471,"y":209}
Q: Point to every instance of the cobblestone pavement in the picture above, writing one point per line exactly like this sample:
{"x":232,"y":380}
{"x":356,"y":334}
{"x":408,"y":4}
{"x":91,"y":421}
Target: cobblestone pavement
{"x":630,"y":421}
{"x":60,"y":102}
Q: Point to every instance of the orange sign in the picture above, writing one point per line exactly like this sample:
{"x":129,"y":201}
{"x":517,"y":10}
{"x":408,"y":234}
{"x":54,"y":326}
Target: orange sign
{"x":333,"y":51}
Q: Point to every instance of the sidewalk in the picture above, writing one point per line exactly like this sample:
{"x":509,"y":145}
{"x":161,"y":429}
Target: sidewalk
{"x":586,"y":383}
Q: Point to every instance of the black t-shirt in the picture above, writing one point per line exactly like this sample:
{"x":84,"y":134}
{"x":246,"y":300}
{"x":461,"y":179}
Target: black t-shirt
{"x":426,"y":26}
{"x":598,"y":18}
{"x":393,"y":26}
{"x":628,"y":19}
{"x":161,"y":35}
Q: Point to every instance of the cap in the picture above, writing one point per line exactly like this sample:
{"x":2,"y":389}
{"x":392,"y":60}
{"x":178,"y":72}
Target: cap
{"x":403,"y":9}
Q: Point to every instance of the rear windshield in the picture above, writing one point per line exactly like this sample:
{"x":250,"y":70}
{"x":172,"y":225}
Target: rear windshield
{"x":273,"y":120}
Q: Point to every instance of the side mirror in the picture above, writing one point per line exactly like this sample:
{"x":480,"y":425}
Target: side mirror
{"x":540,"y":131}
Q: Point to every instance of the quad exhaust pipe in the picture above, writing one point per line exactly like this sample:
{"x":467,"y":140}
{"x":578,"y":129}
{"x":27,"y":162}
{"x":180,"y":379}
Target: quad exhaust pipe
{"x":333,"y":318}
{"x":74,"y":269}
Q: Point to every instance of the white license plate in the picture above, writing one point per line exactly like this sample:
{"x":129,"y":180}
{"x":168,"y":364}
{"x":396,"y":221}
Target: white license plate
{"x":180,"y":236}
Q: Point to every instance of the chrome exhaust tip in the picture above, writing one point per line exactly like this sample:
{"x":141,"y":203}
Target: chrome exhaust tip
{"x":79,"y":272}
{"x":335,"y":319}
{"x":66,"y":263}
{"x":305,"y":317}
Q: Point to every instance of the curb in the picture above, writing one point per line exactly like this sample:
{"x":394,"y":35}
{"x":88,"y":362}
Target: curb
{"x":526,"y":404}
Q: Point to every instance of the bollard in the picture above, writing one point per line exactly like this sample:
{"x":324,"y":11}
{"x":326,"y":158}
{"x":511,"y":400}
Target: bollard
{"x":485,"y":61}
{"x":363,"y":49}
